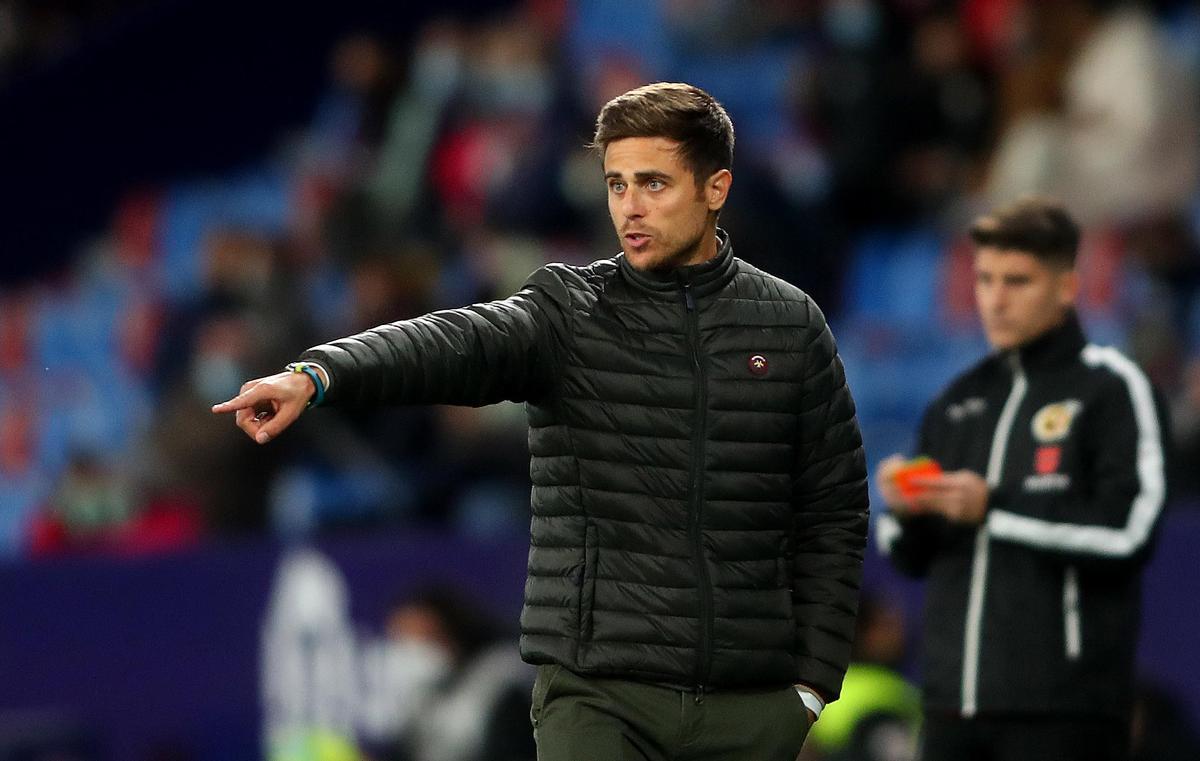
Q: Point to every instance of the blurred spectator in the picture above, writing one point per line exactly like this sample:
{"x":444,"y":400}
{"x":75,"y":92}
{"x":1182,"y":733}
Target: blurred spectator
{"x":351,"y":116}
{"x":879,"y":713}
{"x":184,"y":457}
{"x":479,"y":710}
{"x":435,"y":76}
{"x":943,"y":127}
{"x":92,"y":500}
{"x":1109,"y":132}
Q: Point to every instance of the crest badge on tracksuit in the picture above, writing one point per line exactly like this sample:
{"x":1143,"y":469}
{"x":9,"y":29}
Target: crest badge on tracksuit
{"x":1052,"y":423}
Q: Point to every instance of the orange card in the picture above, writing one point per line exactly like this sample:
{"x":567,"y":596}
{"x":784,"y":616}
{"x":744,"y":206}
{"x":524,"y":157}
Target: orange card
{"x":918,"y":467}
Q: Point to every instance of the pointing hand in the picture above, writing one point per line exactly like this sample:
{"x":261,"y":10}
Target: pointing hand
{"x":267,"y":406}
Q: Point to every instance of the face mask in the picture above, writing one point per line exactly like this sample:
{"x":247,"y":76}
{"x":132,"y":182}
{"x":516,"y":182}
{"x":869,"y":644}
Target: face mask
{"x":415,"y":662}
{"x":851,"y":23}
{"x":216,"y":376}
{"x":398,"y":678}
{"x":520,"y":89}
{"x":437,"y":70}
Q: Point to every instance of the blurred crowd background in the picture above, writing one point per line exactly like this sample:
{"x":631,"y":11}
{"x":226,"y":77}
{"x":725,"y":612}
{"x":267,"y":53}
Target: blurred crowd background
{"x":192,"y":193}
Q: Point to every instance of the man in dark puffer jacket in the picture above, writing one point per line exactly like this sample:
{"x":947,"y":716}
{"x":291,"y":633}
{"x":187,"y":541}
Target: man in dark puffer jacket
{"x":699,"y":486}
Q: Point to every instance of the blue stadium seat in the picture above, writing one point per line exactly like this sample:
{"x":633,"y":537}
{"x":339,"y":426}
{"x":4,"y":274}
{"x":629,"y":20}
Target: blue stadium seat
{"x":894,"y":278}
{"x":633,"y":28}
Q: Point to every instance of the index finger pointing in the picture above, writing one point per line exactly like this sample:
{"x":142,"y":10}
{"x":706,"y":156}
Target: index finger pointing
{"x":239,"y":402}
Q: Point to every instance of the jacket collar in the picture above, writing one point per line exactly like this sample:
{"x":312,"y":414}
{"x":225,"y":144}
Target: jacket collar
{"x":704,"y":278}
{"x":1059,"y":344}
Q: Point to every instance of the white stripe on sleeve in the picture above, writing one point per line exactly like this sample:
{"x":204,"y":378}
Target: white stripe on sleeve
{"x":1104,"y":540}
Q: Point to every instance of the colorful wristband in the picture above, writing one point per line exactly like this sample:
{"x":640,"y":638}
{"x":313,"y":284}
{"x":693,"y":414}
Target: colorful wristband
{"x":307,"y":369}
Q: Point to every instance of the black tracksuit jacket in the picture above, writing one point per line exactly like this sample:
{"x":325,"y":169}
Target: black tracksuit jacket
{"x":699,"y":485}
{"x":1036,"y":611}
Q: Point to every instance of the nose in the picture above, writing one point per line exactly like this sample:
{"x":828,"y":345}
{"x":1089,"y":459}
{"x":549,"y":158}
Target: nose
{"x":991,"y":298}
{"x":632,"y":204}
{"x":999,"y":300}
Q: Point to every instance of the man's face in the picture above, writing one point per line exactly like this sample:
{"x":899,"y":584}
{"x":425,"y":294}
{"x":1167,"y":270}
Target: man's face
{"x":1019,"y":296}
{"x":664,"y":220}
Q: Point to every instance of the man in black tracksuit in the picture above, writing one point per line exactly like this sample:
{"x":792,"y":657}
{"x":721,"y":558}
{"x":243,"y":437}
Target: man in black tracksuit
{"x":699,"y":487}
{"x":1033,"y":538}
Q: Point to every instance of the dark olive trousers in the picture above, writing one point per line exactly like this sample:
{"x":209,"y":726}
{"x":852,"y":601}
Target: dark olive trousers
{"x":578,"y":718}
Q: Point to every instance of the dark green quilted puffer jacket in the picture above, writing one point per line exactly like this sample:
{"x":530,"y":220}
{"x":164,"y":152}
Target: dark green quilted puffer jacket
{"x":699,"y":485}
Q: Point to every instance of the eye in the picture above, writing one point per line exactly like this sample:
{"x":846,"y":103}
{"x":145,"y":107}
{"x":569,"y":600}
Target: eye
{"x":616,"y":186}
{"x":655,"y":184}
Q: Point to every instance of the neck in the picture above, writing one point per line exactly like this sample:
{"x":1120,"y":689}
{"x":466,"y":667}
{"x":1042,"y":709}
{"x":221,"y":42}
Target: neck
{"x":706,"y":248}
{"x":1064,"y":339}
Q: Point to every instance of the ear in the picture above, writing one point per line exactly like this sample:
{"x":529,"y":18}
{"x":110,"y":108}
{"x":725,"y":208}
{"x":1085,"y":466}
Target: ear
{"x":1068,"y":287}
{"x":716,"y":189}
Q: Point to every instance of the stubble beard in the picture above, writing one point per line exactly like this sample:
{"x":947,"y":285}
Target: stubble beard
{"x":680,"y":255}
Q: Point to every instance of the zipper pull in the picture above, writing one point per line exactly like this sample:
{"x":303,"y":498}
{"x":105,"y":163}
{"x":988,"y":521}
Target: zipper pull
{"x":688,"y":300}
{"x":699,"y":694}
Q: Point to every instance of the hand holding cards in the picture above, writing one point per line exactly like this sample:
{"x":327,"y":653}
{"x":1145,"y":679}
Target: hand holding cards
{"x":908,"y":476}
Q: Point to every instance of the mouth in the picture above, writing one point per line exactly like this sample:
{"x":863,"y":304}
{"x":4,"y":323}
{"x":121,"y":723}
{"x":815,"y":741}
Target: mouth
{"x":637,"y":241}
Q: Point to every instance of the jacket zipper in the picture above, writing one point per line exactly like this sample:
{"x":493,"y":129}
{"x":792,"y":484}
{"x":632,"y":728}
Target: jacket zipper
{"x":697,"y":491}
{"x":1073,"y":636}
{"x":979,"y":563}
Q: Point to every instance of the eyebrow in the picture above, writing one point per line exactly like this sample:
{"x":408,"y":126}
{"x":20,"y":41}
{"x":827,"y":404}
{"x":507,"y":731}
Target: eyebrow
{"x":642,"y":176}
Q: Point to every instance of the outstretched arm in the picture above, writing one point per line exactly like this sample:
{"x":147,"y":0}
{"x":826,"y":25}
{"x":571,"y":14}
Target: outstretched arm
{"x":476,"y":355}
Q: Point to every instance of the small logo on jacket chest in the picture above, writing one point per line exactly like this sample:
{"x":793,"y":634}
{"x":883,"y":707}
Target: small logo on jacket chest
{"x":970,"y":407}
{"x":758,"y":365}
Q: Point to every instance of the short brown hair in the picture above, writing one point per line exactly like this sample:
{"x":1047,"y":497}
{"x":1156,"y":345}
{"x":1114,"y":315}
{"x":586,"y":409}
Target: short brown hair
{"x":680,"y":112}
{"x":1034,"y":225}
